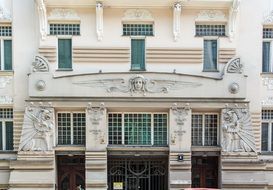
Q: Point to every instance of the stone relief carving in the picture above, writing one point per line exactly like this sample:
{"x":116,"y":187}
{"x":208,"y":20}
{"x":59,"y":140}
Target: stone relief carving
{"x":4,"y":81}
{"x":268,"y":82}
{"x":211,"y":16}
{"x":99,"y":20}
{"x":37,"y":132}
{"x":268,"y":19}
{"x":237,"y":135}
{"x":234,"y":88}
{"x":268,"y":101}
{"x":138,"y":85}
{"x":40,"y":64}
{"x":181,"y":113}
{"x":177,"y":20}
{"x":4,"y":14}
{"x":63,"y":14}
{"x":233,"y":12}
{"x":6,"y":99}
{"x":137,"y":15}
{"x":40,"y":85}
{"x":42,"y":18}
{"x":235,"y":66}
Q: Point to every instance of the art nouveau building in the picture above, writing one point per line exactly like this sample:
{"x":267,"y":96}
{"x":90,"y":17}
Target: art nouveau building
{"x":124,"y":94}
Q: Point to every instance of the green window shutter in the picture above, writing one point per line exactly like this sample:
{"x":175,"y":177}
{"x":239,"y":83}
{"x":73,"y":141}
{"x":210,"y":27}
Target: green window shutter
{"x":137,"y":54}
{"x":64,"y":54}
{"x":1,"y":137}
{"x":9,"y":135}
{"x":7,"y":55}
{"x":210,"y":55}
{"x":266,"y":57}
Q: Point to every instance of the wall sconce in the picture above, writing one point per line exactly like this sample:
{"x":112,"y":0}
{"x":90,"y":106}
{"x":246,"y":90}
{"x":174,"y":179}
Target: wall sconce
{"x":180,"y":157}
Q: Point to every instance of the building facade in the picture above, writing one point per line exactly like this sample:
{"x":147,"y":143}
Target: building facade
{"x":123,"y":94}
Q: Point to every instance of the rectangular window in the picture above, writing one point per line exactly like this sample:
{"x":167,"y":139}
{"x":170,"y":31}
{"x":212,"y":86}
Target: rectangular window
{"x":138,"y":129}
{"x":267,"y":65}
{"x":64,"y":29}
{"x":137,"y":54}
{"x":267,"y":131}
{"x":5,"y":31}
{"x":210,"y":55}
{"x":6,"y":129}
{"x":205,"y":129}
{"x":138,"y":30}
{"x":65,"y":54}
{"x":71,"y":128}
{"x":5,"y":48}
{"x":210,"y":30}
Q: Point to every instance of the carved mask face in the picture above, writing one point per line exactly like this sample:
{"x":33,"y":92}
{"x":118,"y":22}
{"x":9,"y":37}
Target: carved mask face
{"x":138,"y":83}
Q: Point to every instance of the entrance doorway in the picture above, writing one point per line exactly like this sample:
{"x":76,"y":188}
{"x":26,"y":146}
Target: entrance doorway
{"x":205,"y":171}
{"x":71,"y":172}
{"x":138,"y":174}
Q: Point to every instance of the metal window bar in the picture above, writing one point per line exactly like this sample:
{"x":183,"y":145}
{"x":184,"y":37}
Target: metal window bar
{"x":64,"y":29}
{"x":138,"y":30}
{"x":64,"y":128}
{"x":6,"y":134}
{"x":211,"y":125}
{"x":115,"y":128}
{"x":79,"y":128}
{"x":267,"y":32}
{"x":210,"y":30}
{"x":5,"y":31}
{"x":197,"y":123}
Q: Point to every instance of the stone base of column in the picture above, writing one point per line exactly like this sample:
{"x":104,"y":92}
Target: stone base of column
{"x":96,"y":170}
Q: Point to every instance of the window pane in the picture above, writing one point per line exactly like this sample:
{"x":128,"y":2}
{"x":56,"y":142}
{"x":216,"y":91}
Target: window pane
{"x":271,"y":137}
{"x":65,"y":53}
{"x":210,"y":30}
{"x":138,"y":54}
{"x":79,"y":128}
{"x":266,"y":56}
{"x":211,"y":125}
{"x":210,"y":55}
{"x":264,"y":136}
{"x":138,"y":30}
{"x":197,"y":122}
{"x":64,"y":29}
{"x":7,"y":55}
{"x":160,"y":129}
{"x":64,"y":128}
{"x":9,"y":135}
{"x":1,"y":137}
{"x":115,"y":128}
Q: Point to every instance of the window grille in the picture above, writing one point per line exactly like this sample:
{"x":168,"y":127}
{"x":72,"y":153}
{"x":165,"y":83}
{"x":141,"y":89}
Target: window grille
{"x":267,"y":131}
{"x":115,"y":128}
{"x":5,"y":31}
{"x":64,"y":29}
{"x":205,"y":129}
{"x":71,"y":128}
{"x":6,"y":113}
{"x":210,"y":30}
{"x":267,"y":32}
{"x":267,"y":114}
{"x":138,"y":30}
{"x":6,"y":129}
{"x":160,"y":129}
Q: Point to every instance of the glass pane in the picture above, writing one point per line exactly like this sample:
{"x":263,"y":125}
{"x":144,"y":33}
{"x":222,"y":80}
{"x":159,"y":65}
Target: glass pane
{"x":79,"y":128}
{"x":211,"y":125}
{"x":266,"y":56}
{"x":271,"y":137}
{"x":64,"y":128}
{"x":9,"y":135}
{"x":1,"y":137}
{"x":160,"y":129}
{"x":115,"y":128}
{"x":137,"y":54}
{"x":197,"y":122}
{"x":265,"y":136}
{"x":65,"y":53}
{"x":210,"y":55}
{"x":210,"y":30}
{"x":7,"y":55}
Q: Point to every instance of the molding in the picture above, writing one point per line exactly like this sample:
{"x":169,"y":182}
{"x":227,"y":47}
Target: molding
{"x":233,"y":12}
{"x":99,"y":20}
{"x":211,"y":16}
{"x":5,"y":15}
{"x":40,"y":64}
{"x":6,"y":99}
{"x":132,"y":15}
{"x":63,"y":15}
{"x":32,"y":185}
{"x":41,"y":7}
{"x":177,"y":20}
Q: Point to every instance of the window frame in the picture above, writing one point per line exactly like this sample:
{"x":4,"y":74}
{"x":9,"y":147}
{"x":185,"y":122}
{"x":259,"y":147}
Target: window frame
{"x":2,"y":52}
{"x":4,"y":129}
{"x":211,"y":38}
{"x":64,"y":37}
{"x":203,"y":128}
{"x":71,"y":129}
{"x":152,"y":129}
{"x":270,"y":40}
{"x":138,"y":38}
{"x":270,"y":133}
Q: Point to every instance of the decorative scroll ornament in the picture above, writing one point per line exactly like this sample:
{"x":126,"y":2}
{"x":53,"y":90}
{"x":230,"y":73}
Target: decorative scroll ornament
{"x":137,"y":15}
{"x":211,"y":16}
{"x":4,"y":14}
{"x":63,"y":14}
{"x":42,"y":18}
{"x":177,"y":20}
{"x":232,"y":18}
{"x":235,"y":66}
{"x":181,"y":114}
{"x":237,"y":135}
{"x":138,"y":85}
{"x":96,"y":113}
{"x":268,"y":82}
{"x":99,"y":20}
{"x":40,"y":64}
{"x":37,"y":129}
{"x":4,"y":81}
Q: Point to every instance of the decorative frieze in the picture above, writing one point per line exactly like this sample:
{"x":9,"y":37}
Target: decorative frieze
{"x":211,"y":16}
{"x":6,"y":100}
{"x":237,"y":135}
{"x":4,"y":81}
{"x":268,"y":83}
{"x":4,"y":14}
{"x":37,"y":130}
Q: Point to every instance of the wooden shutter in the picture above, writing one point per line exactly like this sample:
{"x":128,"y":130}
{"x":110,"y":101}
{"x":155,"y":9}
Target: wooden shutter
{"x":138,"y":54}
{"x":9,"y":135}
{"x":64,"y":54}
{"x":7,"y":55}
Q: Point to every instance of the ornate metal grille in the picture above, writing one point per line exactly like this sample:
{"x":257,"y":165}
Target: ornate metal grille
{"x":64,"y":29}
{"x":210,"y":30}
{"x":138,"y":30}
{"x":140,"y":174}
{"x":267,"y":32}
{"x":5,"y":31}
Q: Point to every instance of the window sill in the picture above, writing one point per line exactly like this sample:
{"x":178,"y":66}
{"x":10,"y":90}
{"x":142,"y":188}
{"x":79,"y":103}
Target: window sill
{"x":137,"y":70}
{"x":266,"y":153}
{"x":266,"y":73}
{"x":64,"y":69}
{"x":210,"y":71}
{"x":69,"y":148}
{"x":6,"y":73}
{"x":7,"y":151}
